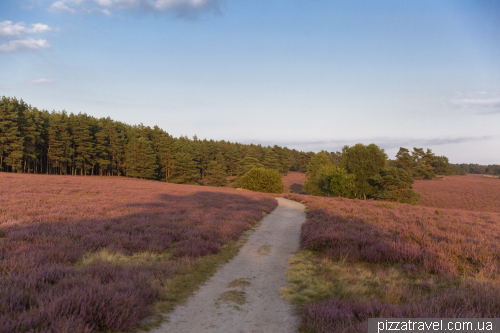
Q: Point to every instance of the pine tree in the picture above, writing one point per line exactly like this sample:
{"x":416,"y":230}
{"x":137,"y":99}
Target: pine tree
{"x":102,"y":145}
{"x":422,"y":167}
{"x":11,"y":141}
{"x":216,"y":173}
{"x":404,"y":160}
{"x":183,"y":169}
{"x":164,"y":149}
{"x":395,"y":184}
{"x":55,"y":151}
{"x":141,"y":159}
{"x":65,"y":143}
{"x":30,"y":133}
{"x":82,"y":144}
{"x":271,"y":162}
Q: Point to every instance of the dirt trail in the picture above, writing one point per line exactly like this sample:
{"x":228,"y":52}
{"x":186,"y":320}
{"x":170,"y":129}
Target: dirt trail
{"x":243,"y":295}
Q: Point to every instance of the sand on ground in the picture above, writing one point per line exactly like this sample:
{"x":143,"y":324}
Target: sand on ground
{"x":242,"y":296}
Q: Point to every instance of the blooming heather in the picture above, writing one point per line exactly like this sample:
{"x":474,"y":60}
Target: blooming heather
{"x":294,"y":182}
{"x":471,"y":192}
{"x":454,"y":245}
{"x":49,"y":224}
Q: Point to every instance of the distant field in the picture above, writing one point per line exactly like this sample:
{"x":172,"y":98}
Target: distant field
{"x":89,"y":254}
{"x":366,"y":259}
{"x":471,"y":192}
{"x":294,"y":182}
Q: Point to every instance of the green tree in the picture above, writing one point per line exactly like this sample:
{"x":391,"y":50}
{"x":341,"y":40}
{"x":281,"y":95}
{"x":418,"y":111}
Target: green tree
{"x":102,"y":145}
{"x":364,"y":162}
{"x":271,"y":161}
{"x":56,"y":149}
{"x":423,"y":163}
{"x":404,"y":160}
{"x":395,"y":184}
{"x":11,"y":141}
{"x":262,"y":180}
{"x":82,"y":143}
{"x":184,"y":169}
{"x":216,"y":173}
{"x":317,"y":162}
{"x":141,"y":159}
{"x":334,"y":181}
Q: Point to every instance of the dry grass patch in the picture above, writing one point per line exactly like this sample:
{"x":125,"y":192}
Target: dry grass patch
{"x":232,"y":296}
{"x":313,"y":277}
{"x":239,"y":283}
{"x":264,"y":250}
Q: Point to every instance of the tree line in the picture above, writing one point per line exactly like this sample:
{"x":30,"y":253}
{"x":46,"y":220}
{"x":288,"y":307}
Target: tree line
{"x":43,"y":142}
{"x":491,"y":169}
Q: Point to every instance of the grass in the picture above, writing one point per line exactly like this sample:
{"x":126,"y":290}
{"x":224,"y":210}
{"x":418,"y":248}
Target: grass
{"x":313,"y":277}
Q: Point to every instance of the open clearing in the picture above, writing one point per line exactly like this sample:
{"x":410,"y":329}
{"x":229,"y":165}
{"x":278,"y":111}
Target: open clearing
{"x":243,"y":295}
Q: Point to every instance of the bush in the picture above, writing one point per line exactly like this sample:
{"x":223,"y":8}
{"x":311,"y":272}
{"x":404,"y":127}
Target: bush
{"x":262,"y":180}
{"x":333,"y":181}
{"x":395,"y":184}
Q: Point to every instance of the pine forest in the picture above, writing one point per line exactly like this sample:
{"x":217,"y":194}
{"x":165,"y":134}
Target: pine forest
{"x":43,"y":142}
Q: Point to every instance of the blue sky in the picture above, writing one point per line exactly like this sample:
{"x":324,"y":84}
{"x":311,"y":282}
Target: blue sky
{"x":307,"y":74}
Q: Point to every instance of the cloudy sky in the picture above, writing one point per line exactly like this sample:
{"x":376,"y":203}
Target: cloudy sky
{"x":307,"y":74}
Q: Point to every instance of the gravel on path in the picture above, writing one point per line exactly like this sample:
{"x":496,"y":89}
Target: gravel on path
{"x":242,"y":296}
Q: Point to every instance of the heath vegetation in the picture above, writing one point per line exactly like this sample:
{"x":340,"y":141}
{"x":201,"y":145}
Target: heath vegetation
{"x":102,"y":253}
{"x":364,"y":258}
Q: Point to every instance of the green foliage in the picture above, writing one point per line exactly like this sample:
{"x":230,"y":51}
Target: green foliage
{"x":364,"y":162}
{"x":141,"y":159}
{"x":11,"y":142}
{"x":271,"y":162}
{"x":262,"y":180}
{"x":38,"y":141}
{"x":247,"y":164}
{"x":395,"y":184}
{"x":334,"y":181}
{"x":423,"y":161}
{"x":317,"y":162}
{"x":184,"y":170}
{"x":424,"y":164}
{"x":216,"y":173}
{"x":404,"y":160}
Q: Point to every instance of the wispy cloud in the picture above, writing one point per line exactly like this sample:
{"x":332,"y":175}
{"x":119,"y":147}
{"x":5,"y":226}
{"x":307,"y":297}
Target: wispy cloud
{"x":492,"y":102}
{"x":160,"y":6}
{"x":482,"y":105}
{"x":24,"y":44}
{"x":382,"y":142}
{"x":8,"y":28}
{"x":41,"y":81}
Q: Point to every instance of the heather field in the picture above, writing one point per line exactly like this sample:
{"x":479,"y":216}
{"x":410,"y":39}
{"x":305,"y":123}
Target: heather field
{"x":471,"y":192}
{"x":294,"y":182}
{"x":89,"y":254}
{"x":365,"y":259}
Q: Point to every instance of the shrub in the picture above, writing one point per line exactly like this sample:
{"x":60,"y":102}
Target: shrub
{"x":262,"y":180}
{"x":395,"y":184}
{"x":333,"y":181}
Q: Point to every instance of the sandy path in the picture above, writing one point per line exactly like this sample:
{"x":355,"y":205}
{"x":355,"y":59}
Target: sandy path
{"x":243,"y":296}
